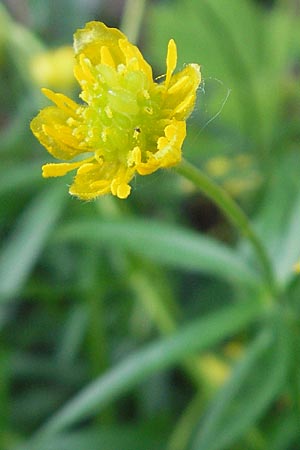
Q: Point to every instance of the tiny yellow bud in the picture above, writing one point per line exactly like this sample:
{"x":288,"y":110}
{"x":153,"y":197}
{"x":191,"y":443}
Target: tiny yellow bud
{"x":53,"y":68}
{"x":297,"y":267}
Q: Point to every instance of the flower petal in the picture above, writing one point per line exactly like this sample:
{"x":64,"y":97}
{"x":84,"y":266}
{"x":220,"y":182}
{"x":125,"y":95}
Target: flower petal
{"x":103,"y":45}
{"x":181,"y":94}
{"x":168,"y":152}
{"x":51,"y":128}
{"x":62,"y":101}
{"x":171,"y":60}
{"x":94,"y":179}
{"x":93,"y":36}
{"x":60,"y":169}
{"x":134,"y":59}
{"x":106,"y":57}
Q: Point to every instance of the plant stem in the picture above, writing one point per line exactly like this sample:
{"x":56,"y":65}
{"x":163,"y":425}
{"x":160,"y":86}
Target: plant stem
{"x":132,"y":18}
{"x":186,"y":424}
{"x":233,"y":212}
{"x":152,"y":301}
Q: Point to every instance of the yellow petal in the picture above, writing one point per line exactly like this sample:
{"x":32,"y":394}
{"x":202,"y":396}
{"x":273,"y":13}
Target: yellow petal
{"x":57,"y":170}
{"x":89,"y":184}
{"x":171,"y":60}
{"x":84,"y":71}
{"x":61,"y":169}
{"x":168,"y":152}
{"x":123,"y":190}
{"x":181,"y":94}
{"x":134,"y":157}
{"x":179,"y":85}
{"x":101,"y":179}
{"x":62,"y":101}
{"x":119,"y":188}
{"x":101,"y":44}
{"x":45,"y":125}
{"x":134,"y":59}
{"x":93,"y":36}
{"x":106,"y":57}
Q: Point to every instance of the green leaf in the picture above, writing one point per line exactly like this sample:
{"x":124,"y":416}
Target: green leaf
{"x":74,"y":332}
{"x":284,"y":433}
{"x":254,"y":384}
{"x":165,"y":244}
{"x":106,"y":438}
{"x":289,"y":252}
{"x":27,"y":366}
{"x":26,"y":242}
{"x":197,"y":336}
{"x":279,"y":226}
{"x":20,"y":176}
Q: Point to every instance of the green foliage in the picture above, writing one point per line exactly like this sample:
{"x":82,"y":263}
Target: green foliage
{"x":148,"y":324}
{"x":249,"y":391}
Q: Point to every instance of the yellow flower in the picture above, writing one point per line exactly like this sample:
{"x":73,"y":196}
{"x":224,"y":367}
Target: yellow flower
{"x":128,"y":123}
{"x":53,"y":68}
{"x":218,"y":166}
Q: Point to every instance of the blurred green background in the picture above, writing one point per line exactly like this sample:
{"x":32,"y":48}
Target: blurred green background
{"x":144,"y":324}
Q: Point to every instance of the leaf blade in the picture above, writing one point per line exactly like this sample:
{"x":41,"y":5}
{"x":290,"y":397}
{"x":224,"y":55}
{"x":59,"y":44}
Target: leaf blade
{"x":161,"y":355}
{"x":168,"y":245}
{"x":234,"y":410}
{"x":23,"y":247}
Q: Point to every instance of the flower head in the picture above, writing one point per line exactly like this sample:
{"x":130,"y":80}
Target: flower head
{"x":128,"y":123}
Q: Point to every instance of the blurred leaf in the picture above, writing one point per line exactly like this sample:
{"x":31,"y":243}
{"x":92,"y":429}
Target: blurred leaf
{"x":34,"y":404}
{"x":26,"y":366}
{"x":285,"y":433}
{"x":67,"y":16}
{"x":165,"y":244}
{"x":289,"y":253}
{"x":228,"y":49}
{"x":106,"y":438}
{"x":73,"y":335}
{"x":26,"y":242}
{"x":20,"y":176}
{"x":278,"y":221}
{"x":254,"y":384}
{"x":165,"y":353}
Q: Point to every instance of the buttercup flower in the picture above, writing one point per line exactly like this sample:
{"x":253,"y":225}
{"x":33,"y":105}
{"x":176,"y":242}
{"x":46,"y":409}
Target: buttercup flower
{"x":128,"y":123}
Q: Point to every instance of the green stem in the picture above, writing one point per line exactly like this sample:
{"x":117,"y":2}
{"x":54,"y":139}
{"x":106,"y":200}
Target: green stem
{"x":132,"y":18}
{"x":186,"y":424}
{"x":233,"y":212}
{"x":142,"y":286}
{"x":149,"y":293}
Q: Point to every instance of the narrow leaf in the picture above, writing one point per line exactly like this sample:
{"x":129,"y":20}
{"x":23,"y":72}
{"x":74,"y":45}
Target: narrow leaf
{"x":106,"y":438}
{"x":166,"y":244}
{"x":289,"y":253}
{"x":248,"y":393}
{"x":197,"y":336}
{"x":19,"y":176}
{"x":26,"y":242}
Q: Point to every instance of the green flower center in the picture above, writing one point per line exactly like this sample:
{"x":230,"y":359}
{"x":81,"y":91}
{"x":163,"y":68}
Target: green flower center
{"x":124,"y":111}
